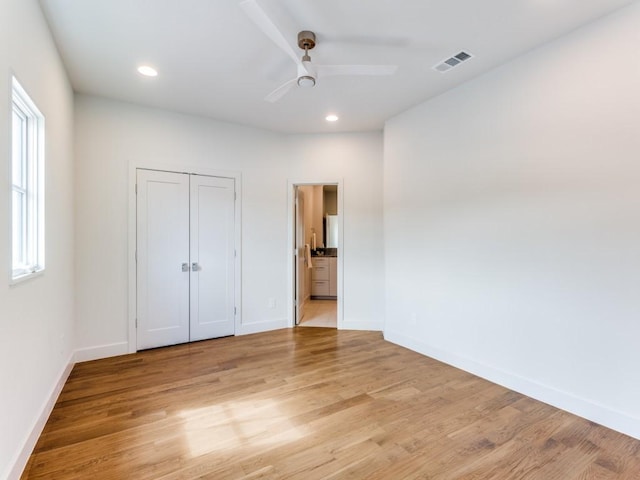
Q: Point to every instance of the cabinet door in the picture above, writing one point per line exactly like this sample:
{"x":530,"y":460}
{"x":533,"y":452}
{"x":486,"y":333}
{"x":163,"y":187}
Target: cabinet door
{"x":162,"y":246}
{"x":320,"y":288}
{"x":320,"y":269}
{"x":333,"y":277}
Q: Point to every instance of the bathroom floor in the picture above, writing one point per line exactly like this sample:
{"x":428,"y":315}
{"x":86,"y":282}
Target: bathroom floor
{"x":320,"y":313}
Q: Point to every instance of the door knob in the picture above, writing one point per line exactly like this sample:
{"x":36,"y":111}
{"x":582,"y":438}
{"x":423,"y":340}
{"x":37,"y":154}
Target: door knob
{"x":185,"y":267}
{"x":195,"y":267}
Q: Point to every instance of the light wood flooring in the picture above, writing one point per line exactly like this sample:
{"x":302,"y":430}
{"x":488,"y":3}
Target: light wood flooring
{"x":320,"y":313}
{"x":311,"y":403}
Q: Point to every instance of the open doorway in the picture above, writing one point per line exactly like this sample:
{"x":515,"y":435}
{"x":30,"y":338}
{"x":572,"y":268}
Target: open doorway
{"x":317,"y":254}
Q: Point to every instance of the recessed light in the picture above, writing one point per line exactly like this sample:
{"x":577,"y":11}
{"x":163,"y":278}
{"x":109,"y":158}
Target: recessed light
{"x":331,"y":118}
{"x":147,"y":71}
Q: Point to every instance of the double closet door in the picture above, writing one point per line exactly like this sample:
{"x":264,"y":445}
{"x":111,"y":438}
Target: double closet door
{"x":185,"y":248}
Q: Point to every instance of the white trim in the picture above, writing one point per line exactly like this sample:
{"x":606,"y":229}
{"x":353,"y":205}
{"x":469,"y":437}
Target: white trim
{"x":33,"y":163}
{"x":101,"y":351}
{"x":364,"y":325}
{"x":16,"y":467}
{"x":26,"y":277}
{"x":134,"y":165}
{"x":266,"y":326}
{"x":610,"y":418}
{"x":131,"y":257}
{"x":291,"y":184}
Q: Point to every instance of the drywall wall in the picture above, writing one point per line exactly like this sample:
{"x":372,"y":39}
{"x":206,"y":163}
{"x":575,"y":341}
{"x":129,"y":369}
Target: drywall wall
{"x":111,"y":135}
{"x":36,"y":316}
{"x":354,"y":159}
{"x":512,"y":225}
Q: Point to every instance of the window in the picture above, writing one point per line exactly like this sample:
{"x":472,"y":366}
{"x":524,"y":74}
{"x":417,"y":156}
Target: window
{"x":27,"y":185}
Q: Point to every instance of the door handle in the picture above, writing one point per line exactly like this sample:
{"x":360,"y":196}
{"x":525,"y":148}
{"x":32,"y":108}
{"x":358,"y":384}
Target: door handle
{"x":185,"y":267}
{"x":195,"y":267}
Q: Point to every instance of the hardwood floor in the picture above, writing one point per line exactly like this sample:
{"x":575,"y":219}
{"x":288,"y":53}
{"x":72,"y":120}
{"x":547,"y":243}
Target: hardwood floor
{"x":320,"y":313}
{"x":311,"y":403}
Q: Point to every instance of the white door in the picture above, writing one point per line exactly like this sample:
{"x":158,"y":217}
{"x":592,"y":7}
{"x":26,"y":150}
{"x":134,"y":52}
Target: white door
{"x":163,"y":258}
{"x":185,"y":258}
{"x":212,"y":257}
{"x":300,"y":257}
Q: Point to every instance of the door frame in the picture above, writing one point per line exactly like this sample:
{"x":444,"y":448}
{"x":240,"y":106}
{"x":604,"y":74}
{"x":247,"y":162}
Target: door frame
{"x":134,"y":165}
{"x":291,"y":186}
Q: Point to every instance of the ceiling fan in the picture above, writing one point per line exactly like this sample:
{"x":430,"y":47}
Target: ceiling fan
{"x":308,"y":73}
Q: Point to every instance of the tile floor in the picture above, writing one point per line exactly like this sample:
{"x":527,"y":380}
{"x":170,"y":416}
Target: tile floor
{"x":320,"y":313}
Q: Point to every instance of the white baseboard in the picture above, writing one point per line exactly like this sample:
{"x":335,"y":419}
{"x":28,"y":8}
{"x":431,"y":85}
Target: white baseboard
{"x":355,"y":325}
{"x":101,"y":351}
{"x":17,"y":466}
{"x":592,"y":411}
{"x":259,"y":327}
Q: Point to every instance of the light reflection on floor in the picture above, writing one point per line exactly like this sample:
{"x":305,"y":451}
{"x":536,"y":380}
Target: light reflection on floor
{"x":236,"y":424}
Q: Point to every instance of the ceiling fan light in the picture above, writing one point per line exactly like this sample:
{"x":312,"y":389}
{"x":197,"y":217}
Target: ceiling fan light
{"x":306,"y":81}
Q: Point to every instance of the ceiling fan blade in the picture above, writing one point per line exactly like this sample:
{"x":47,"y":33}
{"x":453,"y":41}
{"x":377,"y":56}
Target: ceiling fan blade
{"x":281,"y":91}
{"x":255,"y":12}
{"x":330,"y":70}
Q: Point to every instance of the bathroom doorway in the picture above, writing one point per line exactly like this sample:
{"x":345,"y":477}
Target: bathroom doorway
{"x":317,"y":256}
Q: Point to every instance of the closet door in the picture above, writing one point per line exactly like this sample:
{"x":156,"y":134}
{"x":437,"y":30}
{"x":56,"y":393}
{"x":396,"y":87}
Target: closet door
{"x":212,"y":257}
{"x":162,"y":258}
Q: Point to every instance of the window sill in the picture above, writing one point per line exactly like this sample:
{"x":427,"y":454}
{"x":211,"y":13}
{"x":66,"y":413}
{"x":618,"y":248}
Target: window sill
{"x":25,"y":277}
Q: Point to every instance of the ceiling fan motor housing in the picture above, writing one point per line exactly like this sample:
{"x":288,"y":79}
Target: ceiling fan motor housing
{"x":306,"y":40}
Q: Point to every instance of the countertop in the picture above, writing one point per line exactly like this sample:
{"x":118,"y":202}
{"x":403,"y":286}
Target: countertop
{"x":327,"y":252}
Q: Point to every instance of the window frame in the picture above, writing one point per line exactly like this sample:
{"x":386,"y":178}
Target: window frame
{"x":27,"y":214}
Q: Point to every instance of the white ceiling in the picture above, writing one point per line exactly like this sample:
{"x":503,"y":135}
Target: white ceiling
{"x":213,"y":61}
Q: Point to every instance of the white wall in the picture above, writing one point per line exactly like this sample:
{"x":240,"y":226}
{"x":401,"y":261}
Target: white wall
{"x":512,"y":224}
{"x":357,"y":159}
{"x":36,"y":317}
{"x":110,"y":135}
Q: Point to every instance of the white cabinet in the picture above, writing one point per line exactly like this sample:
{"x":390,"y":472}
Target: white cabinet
{"x":324,"y":277}
{"x":320,"y":277}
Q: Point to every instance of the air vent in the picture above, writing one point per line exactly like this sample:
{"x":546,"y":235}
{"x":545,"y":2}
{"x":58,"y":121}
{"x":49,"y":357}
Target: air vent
{"x":451,"y":62}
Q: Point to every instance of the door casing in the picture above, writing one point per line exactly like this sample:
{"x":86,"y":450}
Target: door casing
{"x":291,"y":244}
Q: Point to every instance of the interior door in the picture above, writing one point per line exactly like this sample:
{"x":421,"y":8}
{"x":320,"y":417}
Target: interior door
{"x":162,"y":247}
{"x":212,"y":257}
{"x":300,"y":257}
